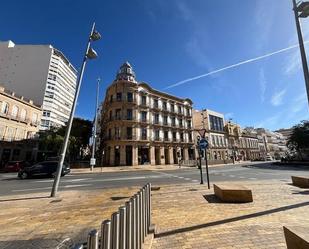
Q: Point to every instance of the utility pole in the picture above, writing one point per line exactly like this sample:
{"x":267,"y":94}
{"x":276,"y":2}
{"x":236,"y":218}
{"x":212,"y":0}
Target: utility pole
{"x":92,"y":159}
{"x":301,"y":41}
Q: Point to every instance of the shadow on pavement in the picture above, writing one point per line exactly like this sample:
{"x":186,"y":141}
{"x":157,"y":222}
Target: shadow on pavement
{"x":24,"y":198}
{"x":212,"y":198}
{"x":229,"y":220}
{"x":306,"y":192}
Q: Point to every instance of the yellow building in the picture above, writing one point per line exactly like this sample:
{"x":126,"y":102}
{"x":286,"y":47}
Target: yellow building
{"x":19,"y":120}
{"x":141,"y":125}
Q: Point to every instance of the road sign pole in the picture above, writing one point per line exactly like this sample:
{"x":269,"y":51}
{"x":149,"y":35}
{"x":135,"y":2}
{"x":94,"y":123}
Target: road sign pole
{"x":200,"y":160}
{"x":206,"y":160}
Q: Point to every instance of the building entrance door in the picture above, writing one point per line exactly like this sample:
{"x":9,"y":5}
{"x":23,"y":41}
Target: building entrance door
{"x":157,"y":155}
{"x":117,"y":156}
{"x":175,"y":156}
{"x":167,"y":156}
{"x":129,"y":155}
{"x":143,"y":155}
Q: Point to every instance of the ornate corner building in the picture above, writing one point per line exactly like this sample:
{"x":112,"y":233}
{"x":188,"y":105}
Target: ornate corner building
{"x":141,"y":125}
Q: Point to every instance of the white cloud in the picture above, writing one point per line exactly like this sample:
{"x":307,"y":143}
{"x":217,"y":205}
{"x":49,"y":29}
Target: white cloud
{"x":262,"y":85}
{"x":269,"y":122}
{"x":299,"y":103}
{"x":277,"y":98}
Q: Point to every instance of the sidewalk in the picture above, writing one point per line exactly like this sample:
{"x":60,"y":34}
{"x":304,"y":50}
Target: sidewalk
{"x":189,"y":216}
{"x":150,"y":167}
{"x":36,"y":221}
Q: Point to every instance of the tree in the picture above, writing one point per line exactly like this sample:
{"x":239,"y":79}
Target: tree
{"x":299,"y":139}
{"x":50,"y":141}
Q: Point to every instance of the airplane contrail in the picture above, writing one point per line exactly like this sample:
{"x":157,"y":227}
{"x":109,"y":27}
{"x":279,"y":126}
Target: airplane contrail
{"x":231,"y":66}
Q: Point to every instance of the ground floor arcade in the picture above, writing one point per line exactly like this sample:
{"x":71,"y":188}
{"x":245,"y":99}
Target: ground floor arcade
{"x":143,"y":154}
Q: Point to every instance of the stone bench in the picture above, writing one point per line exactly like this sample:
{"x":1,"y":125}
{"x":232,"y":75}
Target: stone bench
{"x":296,"y":237}
{"x":300,"y":181}
{"x":233,"y":193}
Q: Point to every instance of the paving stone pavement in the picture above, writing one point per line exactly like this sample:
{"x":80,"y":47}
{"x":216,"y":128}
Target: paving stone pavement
{"x":189,"y":216}
{"x":36,"y":221}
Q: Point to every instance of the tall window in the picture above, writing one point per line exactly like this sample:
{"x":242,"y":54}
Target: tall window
{"x":165,"y":120}
{"x":165,"y":135}
{"x":173,"y":121}
{"x":180,"y":122}
{"x":117,"y":133}
{"x":111,"y":98}
{"x":34,"y":117}
{"x":119,"y":96}
{"x":129,"y":114}
{"x":216,"y":123}
{"x":157,"y":134}
{"x":110,"y":115}
{"x":5,"y":107}
{"x":130,"y":97}
{"x":144,"y":116}
{"x":164,"y":105}
{"x":144,"y":99}
{"x":174,"y":136}
{"x":189,"y":124}
{"x":144,"y":133}
{"x":190,"y":137}
{"x":179,"y":109}
{"x":129,"y":132}
{"x":188,"y":112}
{"x":172,"y":108}
{"x":155,"y":103}
{"x":156,"y":118}
{"x":181,"y":137}
{"x":109,"y":134}
{"x":14,"y":111}
{"x":118,"y":114}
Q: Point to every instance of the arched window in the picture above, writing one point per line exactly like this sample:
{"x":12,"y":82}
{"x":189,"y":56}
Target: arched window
{"x":14,"y":111}
{"x":5,"y":108}
{"x":23,"y":114}
{"x":34,"y":117}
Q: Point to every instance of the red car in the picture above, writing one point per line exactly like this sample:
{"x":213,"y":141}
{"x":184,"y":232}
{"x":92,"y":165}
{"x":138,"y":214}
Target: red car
{"x":15,"y":166}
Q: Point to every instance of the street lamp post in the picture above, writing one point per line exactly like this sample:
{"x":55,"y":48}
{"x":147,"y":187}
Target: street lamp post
{"x":302,"y":10}
{"x":89,"y":54}
{"x":92,"y":160}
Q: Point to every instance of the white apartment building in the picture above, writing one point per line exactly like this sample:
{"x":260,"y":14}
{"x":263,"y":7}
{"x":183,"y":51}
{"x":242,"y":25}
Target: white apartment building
{"x":41,"y":73}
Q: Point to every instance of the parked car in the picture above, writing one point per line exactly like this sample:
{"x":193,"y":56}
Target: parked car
{"x":15,"y":166}
{"x":46,"y":168}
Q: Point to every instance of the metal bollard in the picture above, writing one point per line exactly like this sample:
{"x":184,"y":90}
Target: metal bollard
{"x":106,"y":235}
{"x":129,"y":222}
{"x":115,"y":230}
{"x":144,"y":212}
{"x":134,"y":222}
{"x":138,"y":221}
{"x":142,"y":216}
{"x":123,"y":224}
{"x":149,"y":205}
{"x":92,"y":242}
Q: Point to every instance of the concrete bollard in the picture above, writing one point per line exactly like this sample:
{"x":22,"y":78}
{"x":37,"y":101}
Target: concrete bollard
{"x":147,"y":207}
{"x":92,"y":242}
{"x":123,"y":225}
{"x":129,"y":225}
{"x":106,"y":242}
{"x":141,"y":216}
{"x":115,"y":230}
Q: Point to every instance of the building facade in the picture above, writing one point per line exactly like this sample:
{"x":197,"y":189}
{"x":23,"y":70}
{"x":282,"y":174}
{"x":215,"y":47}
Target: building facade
{"x":41,"y":73}
{"x":214,"y":125}
{"x":19,"y":121}
{"x":140,"y":125}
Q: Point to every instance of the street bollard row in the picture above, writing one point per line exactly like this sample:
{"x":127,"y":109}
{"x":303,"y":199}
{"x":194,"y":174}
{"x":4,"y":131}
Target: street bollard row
{"x":128,"y":227}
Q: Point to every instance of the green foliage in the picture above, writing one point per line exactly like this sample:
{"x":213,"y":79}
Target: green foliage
{"x":299,"y":140}
{"x":50,"y":141}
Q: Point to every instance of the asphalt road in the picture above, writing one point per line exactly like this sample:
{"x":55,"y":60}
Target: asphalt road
{"x":11,"y":185}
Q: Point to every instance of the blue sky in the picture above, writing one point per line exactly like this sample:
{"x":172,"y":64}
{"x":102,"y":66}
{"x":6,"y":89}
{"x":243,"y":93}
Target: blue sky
{"x":171,"y":41}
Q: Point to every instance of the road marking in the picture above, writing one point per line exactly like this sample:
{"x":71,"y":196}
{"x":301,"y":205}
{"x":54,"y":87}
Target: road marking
{"x":252,"y":178}
{"x":28,"y":189}
{"x":231,"y":176}
{"x":71,"y":180}
{"x":76,"y":186}
{"x":188,"y":179}
{"x":194,"y":180}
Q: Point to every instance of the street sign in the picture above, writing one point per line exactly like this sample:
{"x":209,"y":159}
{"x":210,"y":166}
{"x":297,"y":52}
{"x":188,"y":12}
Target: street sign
{"x":202,"y":132}
{"x":203,"y":144}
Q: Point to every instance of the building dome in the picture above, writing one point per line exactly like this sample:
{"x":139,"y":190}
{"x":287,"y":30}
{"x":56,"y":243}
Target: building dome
{"x":126,"y":73}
